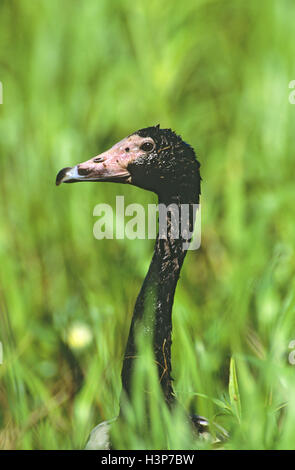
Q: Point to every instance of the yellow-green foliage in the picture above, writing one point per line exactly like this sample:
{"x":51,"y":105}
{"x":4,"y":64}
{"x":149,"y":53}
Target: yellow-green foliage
{"x":78,"y":76}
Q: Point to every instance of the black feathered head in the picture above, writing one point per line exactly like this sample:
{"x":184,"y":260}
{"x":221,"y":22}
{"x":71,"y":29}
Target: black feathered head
{"x":151,"y":158}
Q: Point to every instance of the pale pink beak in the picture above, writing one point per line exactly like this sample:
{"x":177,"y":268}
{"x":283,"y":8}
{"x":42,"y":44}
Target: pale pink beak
{"x":108,"y":166}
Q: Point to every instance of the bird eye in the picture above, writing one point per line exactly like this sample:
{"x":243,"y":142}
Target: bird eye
{"x":147,"y":146}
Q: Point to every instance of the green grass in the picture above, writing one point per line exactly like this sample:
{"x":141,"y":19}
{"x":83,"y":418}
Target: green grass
{"x":77,"y":77}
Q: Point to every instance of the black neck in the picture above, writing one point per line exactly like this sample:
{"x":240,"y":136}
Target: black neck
{"x":153,"y":307}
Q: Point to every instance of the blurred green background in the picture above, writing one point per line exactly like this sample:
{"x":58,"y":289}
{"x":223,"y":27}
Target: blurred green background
{"x":77,"y":77}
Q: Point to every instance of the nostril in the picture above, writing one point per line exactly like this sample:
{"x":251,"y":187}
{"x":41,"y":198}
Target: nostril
{"x":98,"y":159}
{"x":83,"y":171}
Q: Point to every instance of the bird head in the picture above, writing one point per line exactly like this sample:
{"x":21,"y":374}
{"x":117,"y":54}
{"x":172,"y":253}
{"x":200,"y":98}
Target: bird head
{"x":152,"y":158}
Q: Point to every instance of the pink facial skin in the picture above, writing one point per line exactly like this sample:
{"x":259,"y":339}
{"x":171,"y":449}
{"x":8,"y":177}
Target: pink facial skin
{"x":108,"y":166}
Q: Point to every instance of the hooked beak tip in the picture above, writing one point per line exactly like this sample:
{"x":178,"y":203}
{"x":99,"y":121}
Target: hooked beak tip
{"x":65,"y":175}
